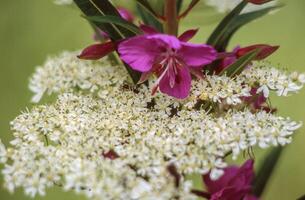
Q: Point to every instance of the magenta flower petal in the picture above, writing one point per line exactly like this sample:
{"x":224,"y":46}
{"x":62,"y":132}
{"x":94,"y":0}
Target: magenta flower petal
{"x":139,"y":52}
{"x":168,"y":58}
{"x":250,"y":197}
{"x":234,"y":184}
{"x":196,"y":55}
{"x":125,"y":14}
{"x":164,"y":40}
{"x":181,"y":86}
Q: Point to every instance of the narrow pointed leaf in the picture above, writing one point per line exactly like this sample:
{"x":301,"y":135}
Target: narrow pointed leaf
{"x":265,"y":171}
{"x":192,"y":4}
{"x":239,"y":22}
{"x":149,"y":19}
{"x":240,"y":64}
{"x":101,"y":8}
{"x":302,"y":197}
{"x":225,"y":24}
{"x":117,"y":21}
{"x":146,"y":5}
{"x":179,"y":5}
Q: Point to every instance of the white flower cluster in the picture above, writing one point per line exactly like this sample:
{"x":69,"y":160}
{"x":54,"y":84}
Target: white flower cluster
{"x":81,"y":129}
{"x":2,"y":153}
{"x":109,"y":140}
{"x":66,"y":73}
{"x":63,"y":2}
{"x":221,"y":89}
{"x":228,"y":5}
{"x":271,"y":79}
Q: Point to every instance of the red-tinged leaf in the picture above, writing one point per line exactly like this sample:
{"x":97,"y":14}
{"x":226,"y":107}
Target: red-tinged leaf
{"x":259,"y":2}
{"x":97,"y":51}
{"x":188,"y":35}
{"x":264,"y":51}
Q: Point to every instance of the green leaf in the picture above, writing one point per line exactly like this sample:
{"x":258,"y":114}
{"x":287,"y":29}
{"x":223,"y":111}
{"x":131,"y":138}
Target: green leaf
{"x":191,"y":5}
{"x":237,"y":67}
{"x":265,"y":171}
{"x":101,"y":8}
{"x":225,"y":24}
{"x":149,"y":19}
{"x":179,"y":5}
{"x":117,"y":21}
{"x":239,"y":22}
{"x":145,"y":4}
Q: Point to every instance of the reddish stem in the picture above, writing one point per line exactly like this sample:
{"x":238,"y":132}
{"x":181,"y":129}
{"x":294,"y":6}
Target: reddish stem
{"x":171,"y":23}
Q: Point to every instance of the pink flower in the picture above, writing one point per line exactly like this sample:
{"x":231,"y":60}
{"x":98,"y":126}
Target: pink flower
{"x":126,"y":14}
{"x":234,"y":184}
{"x":171,"y":59}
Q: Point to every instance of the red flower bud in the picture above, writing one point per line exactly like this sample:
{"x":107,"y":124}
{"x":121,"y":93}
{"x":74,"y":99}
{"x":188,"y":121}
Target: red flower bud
{"x":112,"y":155}
{"x":97,"y":51}
{"x":264,"y":51}
{"x":259,"y":2}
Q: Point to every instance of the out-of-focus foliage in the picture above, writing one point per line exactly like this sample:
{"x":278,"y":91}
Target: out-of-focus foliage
{"x":31,"y":30}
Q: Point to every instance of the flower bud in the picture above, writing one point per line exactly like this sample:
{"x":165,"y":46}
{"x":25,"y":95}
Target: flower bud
{"x":264,"y":51}
{"x":97,"y":51}
{"x":259,"y":2}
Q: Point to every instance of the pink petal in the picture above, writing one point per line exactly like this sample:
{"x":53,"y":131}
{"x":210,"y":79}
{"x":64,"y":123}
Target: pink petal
{"x":196,"y":55}
{"x":167,"y":41}
{"x":125,"y":14}
{"x":239,"y":178}
{"x":97,"y":51}
{"x":250,"y":197}
{"x":218,"y":185}
{"x":139,"y":52}
{"x":187,"y":35}
{"x":182,"y":85}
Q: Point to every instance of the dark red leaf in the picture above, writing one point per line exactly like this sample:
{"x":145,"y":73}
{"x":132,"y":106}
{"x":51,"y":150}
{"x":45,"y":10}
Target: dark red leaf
{"x":187,"y":35}
{"x":97,"y":51}
{"x":264,"y":51}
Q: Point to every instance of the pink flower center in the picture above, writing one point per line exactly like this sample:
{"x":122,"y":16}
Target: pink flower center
{"x":168,"y":64}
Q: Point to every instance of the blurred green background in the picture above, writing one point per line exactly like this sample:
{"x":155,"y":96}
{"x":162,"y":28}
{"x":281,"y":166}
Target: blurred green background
{"x":32,"y":29}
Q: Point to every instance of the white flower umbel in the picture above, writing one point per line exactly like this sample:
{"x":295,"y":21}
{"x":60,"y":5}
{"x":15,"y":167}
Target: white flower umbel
{"x":98,"y":113}
{"x":81,"y":129}
{"x":221,"y":88}
{"x":3,"y":153}
{"x":66,"y":73}
{"x":224,"y":6}
{"x":268,"y":78}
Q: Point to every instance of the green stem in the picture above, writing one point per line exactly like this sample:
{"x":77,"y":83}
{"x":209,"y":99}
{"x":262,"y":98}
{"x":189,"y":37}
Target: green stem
{"x":171,"y":17}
